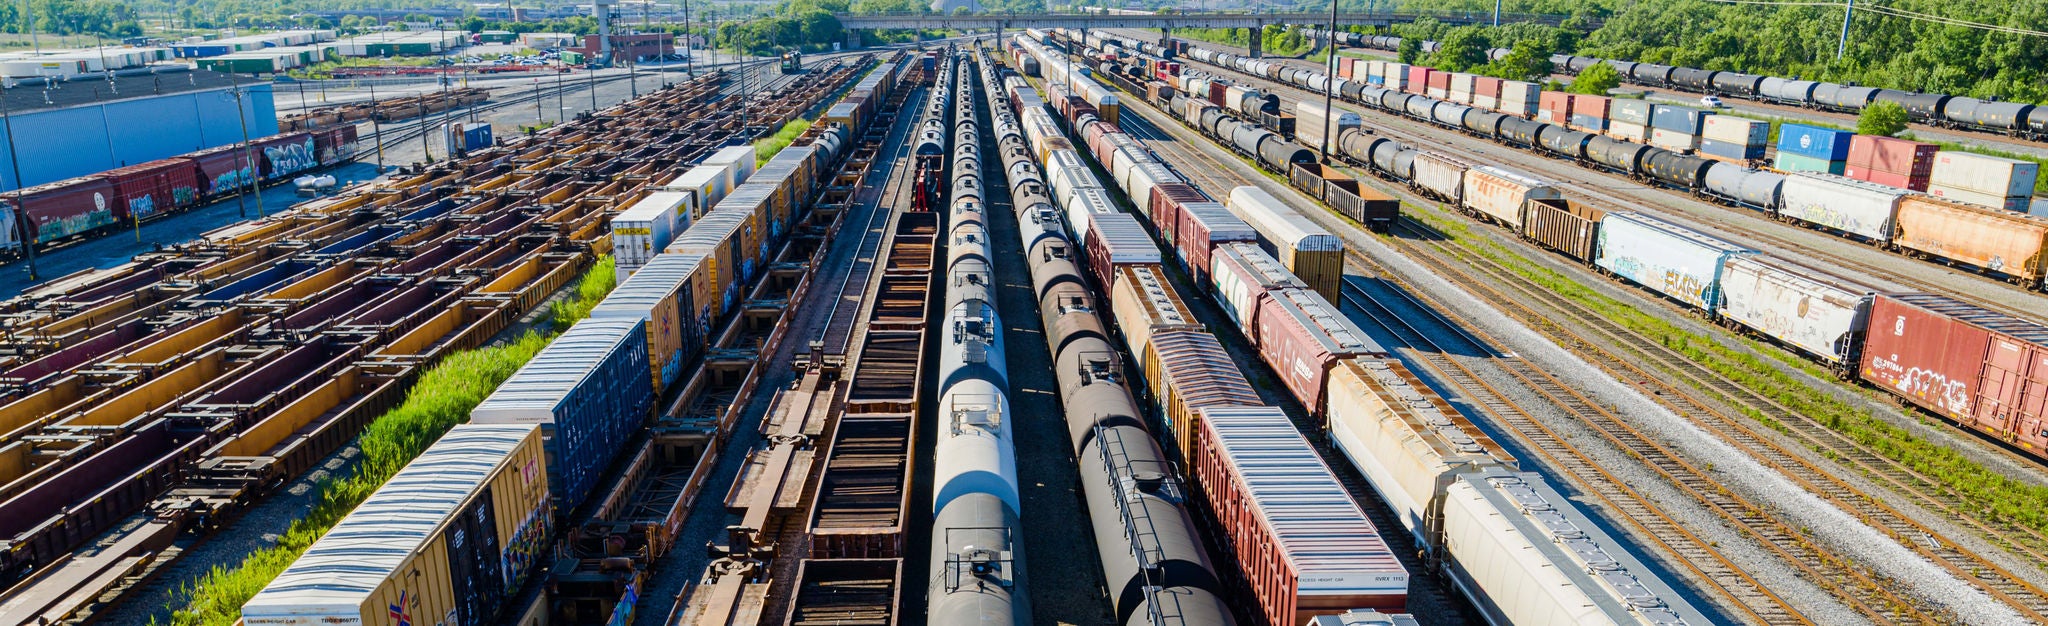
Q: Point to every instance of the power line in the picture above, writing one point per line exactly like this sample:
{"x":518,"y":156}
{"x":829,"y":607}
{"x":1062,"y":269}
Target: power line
{"x":1894,"y":12}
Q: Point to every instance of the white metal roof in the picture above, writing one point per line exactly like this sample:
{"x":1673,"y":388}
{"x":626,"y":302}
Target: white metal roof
{"x":1279,"y":222}
{"x":340,"y":570}
{"x":532,"y":393}
{"x":1334,"y":548}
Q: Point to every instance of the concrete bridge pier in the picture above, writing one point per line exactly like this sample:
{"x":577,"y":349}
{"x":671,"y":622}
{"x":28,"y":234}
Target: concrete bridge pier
{"x":1256,"y":42}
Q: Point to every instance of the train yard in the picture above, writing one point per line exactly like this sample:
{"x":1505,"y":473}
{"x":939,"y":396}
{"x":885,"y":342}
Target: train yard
{"x":1052,"y":327}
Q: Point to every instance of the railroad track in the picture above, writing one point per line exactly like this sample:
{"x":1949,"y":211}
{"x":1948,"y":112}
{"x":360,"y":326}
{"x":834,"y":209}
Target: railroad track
{"x":837,"y":333}
{"x":1997,"y":581}
{"x":1698,"y":555}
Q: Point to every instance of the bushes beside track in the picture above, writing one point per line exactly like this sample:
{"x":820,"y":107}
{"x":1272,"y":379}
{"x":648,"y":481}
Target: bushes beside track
{"x":766,"y":148}
{"x":442,"y":398}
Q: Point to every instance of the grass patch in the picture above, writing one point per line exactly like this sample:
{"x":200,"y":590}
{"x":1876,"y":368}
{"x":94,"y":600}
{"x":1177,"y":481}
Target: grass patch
{"x":1993,"y":495}
{"x":441,"y":398}
{"x":590,"y":289}
{"x":767,"y":147}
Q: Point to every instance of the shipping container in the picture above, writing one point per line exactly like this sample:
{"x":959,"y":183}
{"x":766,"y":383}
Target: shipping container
{"x":1821,"y":315}
{"x":1842,"y":204}
{"x":1310,"y":131}
{"x":1499,"y":194}
{"x":2008,"y":243}
{"x":1736,"y":130}
{"x":589,"y":392}
{"x":663,"y":294}
{"x":1521,"y":99}
{"x":1301,"y":335}
{"x":1144,"y":304}
{"x":1678,"y":262}
{"x":1979,"y":367}
{"x":1312,"y":253}
{"x":1187,"y":371}
{"x":1824,"y":144}
{"x":1628,"y":131}
{"x":1684,"y":120}
{"x":1792,"y":163}
{"x":1988,"y":175}
{"x":1888,"y":161}
{"x":448,"y":539}
{"x":645,"y":229}
{"x":1636,"y":112}
{"x":1299,"y":541}
{"x":1675,"y":141}
{"x":1563,"y":225}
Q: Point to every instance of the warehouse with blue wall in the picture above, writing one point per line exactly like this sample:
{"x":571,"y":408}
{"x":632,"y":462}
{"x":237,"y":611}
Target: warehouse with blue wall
{"x":84,"y":133}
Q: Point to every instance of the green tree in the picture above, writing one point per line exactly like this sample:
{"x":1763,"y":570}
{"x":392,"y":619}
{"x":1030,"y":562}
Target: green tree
{"x":1462,"y":50}
{"x":1410,"y":50}
{"x":1528,"y":60}
{"x":1884,"y":118}
{"x":1596,"y":79}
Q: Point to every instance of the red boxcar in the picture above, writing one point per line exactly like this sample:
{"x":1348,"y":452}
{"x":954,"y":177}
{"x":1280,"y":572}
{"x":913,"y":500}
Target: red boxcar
{"x":67,"y":207}
{"x":1984,"y":369}
{"x":1115,"y":240}
{"x":1203,"y":226}
{"x":1216,"y":94}
{"x":224,"y":169}
{"x":285,"y":155}
{"x":1164,"y":207}
{"x":148,"y":189}
{"x":1302,"y":335}
{"x":336,"y":145}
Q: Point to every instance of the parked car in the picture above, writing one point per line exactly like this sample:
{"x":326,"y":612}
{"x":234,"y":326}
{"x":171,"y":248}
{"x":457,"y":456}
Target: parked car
{"x":1712,"y":102}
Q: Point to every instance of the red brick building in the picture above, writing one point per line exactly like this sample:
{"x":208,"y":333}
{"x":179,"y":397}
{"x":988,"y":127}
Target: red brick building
{"x":628,"y":47}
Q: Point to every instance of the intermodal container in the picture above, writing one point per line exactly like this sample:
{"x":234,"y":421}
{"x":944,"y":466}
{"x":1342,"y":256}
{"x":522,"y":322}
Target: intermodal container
{"x":1554,"y":107}
{"x":1460,"y":88}
{"x":1979,"y":367}
{"x":1520,"y":99}
{"x":663,"y":294}
{"x":1308,"y":250}
{"x":2014,"y":244}
{"x":1628,"y":131}
{"x":1672,"y":260}
{"x":645,"y":229}
{"x":1315,"y":124}
{"x":1889,"y":161}
{"x":1636,"y":112}
{"x":1144,"y":304}
{"x":1685,"y":120}
{"x":1822,"y":144}
{"x":1186,"y":372}
{"x":1736,"y":130}
{"x":1591,"y":113}
{"x":449,"y":538}
{"x":1851,"y":206}
{"x":1675,"y":141}
{"x":1499,"y":194}
{"x":589,"y":391}
{"x":1821,"y":315}
{"x":1982,"y":174}
{"x":1790,"y":163}
{"x":1299,"y":541}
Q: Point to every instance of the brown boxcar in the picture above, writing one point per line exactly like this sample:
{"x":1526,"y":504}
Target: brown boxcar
{"x":1204,"y":226}
{"x":66,"y":208}
{"x":149,"y":189}
{"x":2008,"y":243}
{"x":1302,"y":336}
{"x":1563,"y":225}
{"x":1363,"y":204}
{"x":1187,"y":371}
{"x":1165,"y":207}
{"x":1983,"y":369}
{"x":1143,"y":303}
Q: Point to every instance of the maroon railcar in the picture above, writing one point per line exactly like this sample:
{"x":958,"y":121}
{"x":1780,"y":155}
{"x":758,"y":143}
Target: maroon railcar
{"x":151,"y":189}
{"x":284,"y":155}
{"x":1983,"y":369}
{"x":66,"y":208}
{"x":224,"y":169}
{"x":1115,"y":240}
{"x":1163,"y":208}
{"x":1203,"y":226}
{"x":1302,"y":336}
{"x":336,"y":145}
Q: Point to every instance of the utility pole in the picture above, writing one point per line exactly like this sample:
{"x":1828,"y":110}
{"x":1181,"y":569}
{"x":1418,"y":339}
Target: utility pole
{"x":1330,"y":82}
{"x":689,"y":50}
{"x":248,"y":158}
{"x":1843,"y":46}
{"x":29,"y":232}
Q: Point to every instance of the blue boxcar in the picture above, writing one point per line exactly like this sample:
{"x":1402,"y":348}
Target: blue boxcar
{"x":589,"y":391}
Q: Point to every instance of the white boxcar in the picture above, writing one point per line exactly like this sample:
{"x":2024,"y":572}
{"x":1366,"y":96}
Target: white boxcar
{"x":737,"y":161}
{"x":1242,"y":271}
{"x":1535,"y":558}
{"x":1500,"y":194}
{"x":707,"y":185}
{"x":1816,"y":313}
{"x":1669,"y":259}
{"x":1440,"y":175}
{"x":646,"y":228}
{"x":1864,"y":209}
{"x":1084,"y":205}
{"x":1144,"y":178}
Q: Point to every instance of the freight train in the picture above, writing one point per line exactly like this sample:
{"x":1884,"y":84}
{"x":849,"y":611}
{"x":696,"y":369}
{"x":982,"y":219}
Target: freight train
{"x":977,"y":554}
{"x":1464,"y":515}
{"x":538,"y":445}
{"x":1833,"y":320}
{"x":2003,"y":244}
{"x":75,"y":208}
{"x":2017,"y":119}
{"x":1153,"y":559}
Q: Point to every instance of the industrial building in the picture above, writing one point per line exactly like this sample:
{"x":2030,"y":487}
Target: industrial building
{"x":200,"y":47}
{"x":629,"y":46}
{"x":64,"y":130}
{"x":63,"y":64}
{"x":402,"y":43}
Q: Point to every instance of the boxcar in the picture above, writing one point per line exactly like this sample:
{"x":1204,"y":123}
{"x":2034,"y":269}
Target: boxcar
{"x":1966,"y":363}
{"x":2011,"y":244}
{"x":1821,"y":315}
{"x":1672,"y":260}
{"x":1568,"y":227}
{"x":1187,"y":371}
